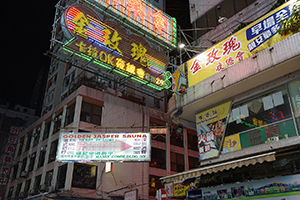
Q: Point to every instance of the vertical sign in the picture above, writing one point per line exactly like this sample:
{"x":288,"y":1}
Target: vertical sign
{"x":211,"y":126}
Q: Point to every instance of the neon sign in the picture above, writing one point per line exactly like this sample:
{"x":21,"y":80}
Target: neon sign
{"x":111,"y":48}
{"x":144,"y":15}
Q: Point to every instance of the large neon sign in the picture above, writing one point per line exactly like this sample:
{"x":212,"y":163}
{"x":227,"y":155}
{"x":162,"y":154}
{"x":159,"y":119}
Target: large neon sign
{"x":111,"y":48}
{"x":144,"y":15}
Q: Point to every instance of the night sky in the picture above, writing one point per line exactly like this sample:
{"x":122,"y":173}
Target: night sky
{"x":25,"y":37}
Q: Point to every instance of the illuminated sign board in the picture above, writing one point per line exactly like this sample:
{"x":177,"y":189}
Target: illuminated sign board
{"x":111,"y":48}
{"x":104,"y":147}
{"x":254,"y":38}
{"x":144,"y":15}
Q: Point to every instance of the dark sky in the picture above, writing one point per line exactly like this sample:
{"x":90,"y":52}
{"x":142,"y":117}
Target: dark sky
{"x":25,"y":37}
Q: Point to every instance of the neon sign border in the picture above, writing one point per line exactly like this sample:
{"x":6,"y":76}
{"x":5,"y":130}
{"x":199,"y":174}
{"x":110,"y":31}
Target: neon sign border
{"x":101,"y":64}
{"x":142,"y":27}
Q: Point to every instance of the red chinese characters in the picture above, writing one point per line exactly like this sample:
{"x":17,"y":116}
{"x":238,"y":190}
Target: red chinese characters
{"x":231,"y":45}
{"x":195,"y":67}
{"x":159,"y":22}
{"x":212,"y":56}
{"x":12,"y":140}
{"x":203,"y":139}
{"x":136,"y":7}
{"x":5,"y":170}
{"x":10,"y":149}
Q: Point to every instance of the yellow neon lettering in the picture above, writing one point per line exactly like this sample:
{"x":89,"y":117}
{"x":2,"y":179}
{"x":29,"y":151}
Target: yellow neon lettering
{"x":140,"y":72}
{"x":120,"y":63}
{"x":103,"y":56}
{"x":82,"y":46}
{"x":112,"y":41}
{"x":110,"y":59}
{"x":130,"y":68}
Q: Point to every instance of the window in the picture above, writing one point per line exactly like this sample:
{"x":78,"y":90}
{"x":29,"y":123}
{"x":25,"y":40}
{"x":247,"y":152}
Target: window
{"x":21,"y":146}
{"x":18,"y":190}
{"x":23,"y":164}
{"x":42,"y":158}
{"x":48,"y":178}
{"x":261,"y":111}
{"x":70,"y":114}
{"x":61,"y":176}
{"x":46,"y":130}
{"x":28,"y":142}
{"x":84,"y":176}
{"x":91,"y":113}
{"x":36,"y":138}
{"x":192,"y":141}
{"x":10,"y":192}
{"x":37,"y":182}
{"x":15,"y":171}
{"x":57,"y":123}
{"x":177,"y":162}
{"x":27,"y":186}
{"x":176,"y":138}
{"x":31,"y":162}
{"x":53,"y":149}
{"x":193,"y":162}
{"x":158,"y":158}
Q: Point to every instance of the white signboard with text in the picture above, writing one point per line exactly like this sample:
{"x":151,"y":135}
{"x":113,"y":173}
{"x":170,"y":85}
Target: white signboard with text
{"x":104,"y":147}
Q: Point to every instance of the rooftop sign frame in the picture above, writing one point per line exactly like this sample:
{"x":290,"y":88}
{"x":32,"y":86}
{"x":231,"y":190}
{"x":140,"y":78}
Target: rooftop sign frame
{"x":143,"y":15}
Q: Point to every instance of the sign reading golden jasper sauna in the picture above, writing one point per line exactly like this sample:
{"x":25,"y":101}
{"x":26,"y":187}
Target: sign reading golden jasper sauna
{"x":108,"y":45}
{"x":254,"y":38}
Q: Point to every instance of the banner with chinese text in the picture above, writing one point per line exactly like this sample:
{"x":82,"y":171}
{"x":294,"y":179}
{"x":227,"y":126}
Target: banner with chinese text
{"x":254,"y":38}
{"x":211,"y":126}
{"x":279,"y":188}
{"x":104,"y":147}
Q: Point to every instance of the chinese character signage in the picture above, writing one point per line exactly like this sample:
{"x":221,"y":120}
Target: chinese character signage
{"x":143,"y":15}
{"x":108,"y":46}
{"x":211,"y":126}
{"x":104,"y":147}
{"x":254,"y":38}
{"x":131,"y":195}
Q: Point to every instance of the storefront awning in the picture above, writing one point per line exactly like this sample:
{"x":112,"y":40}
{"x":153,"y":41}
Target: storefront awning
{"x":268,"y":157}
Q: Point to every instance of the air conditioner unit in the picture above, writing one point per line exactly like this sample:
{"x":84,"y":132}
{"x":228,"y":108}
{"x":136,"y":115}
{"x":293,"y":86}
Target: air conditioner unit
{"x":23,"y":174}
{"x":44,"y":148}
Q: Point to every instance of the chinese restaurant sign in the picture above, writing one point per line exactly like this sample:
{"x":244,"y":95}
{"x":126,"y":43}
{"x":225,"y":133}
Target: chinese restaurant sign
{"x":112,"y":49}
{"x":254,"y":38}
{"x":211,"y":126}
{"x":145,"y":16}
{"x":104,"y":147}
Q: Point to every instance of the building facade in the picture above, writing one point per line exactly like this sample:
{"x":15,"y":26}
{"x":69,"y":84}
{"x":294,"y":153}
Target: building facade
{"x":88,"y":91}
{"x":260,"y":95}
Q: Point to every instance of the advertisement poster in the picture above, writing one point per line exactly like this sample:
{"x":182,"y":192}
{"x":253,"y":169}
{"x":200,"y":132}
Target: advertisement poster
{"x":211,"y":126}
{"x":252,"y":39}
{"x":180,"y":189}
{"x":231,"y":143}
{"x":104,"y":147}
{"x":279,"y":188}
